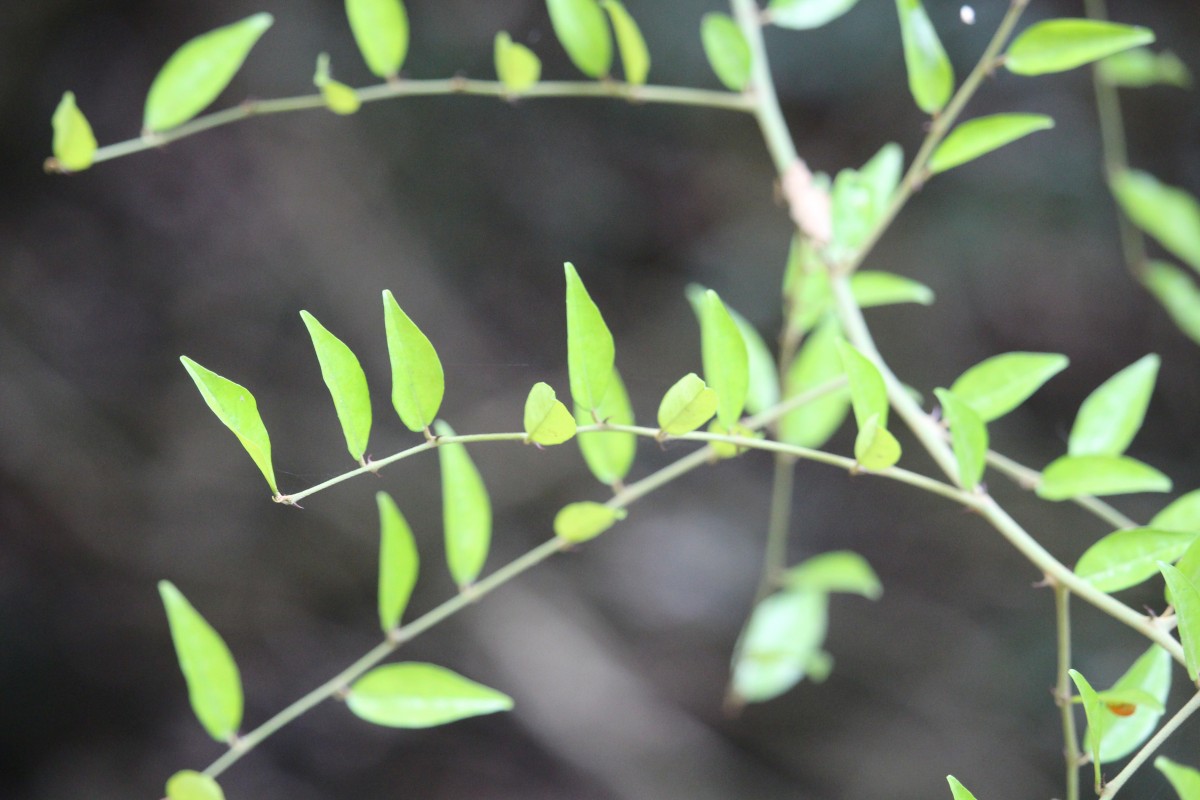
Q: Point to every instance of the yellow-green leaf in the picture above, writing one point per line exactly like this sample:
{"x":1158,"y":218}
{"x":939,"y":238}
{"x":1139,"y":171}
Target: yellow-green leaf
{"x":976,"y":137}
{"x":579,"y":522}
{"x":582,"y":30}
{"x":418,"y":382}
{"x":1056,"y":45}
{"x":609,"y":454}
{"x":1093,"y":709}
{"x":547,"y":420}
{"x":1141,"y":67}
{"x":517,"y":66}
{"x":1169,"y":214}
{"x":687,"y":405}
{"x":726,"y":48}
{"x":997,"y":385}
{"x":1076,"y":476}
{"x":805,"y":14}
{"x":416,"y":695}
{"x":347,"y":385}
{"x":1178,"y":294}
{"x":1186,"y":599}
{"x":1184,"y":779}
{"x":957,"y":790}
{"x":74,"y":144}
{"x":875,"y":448}
{"x":868,"y":394}
{"x":466,"y":511}
{"x":1150,"y":674}
{"x":818,"y":362}
{"x":339,"y":98}
{"x":380,"y":29}
{"x":872,"y":288}
{"x":188,"y":784}
{"x":590,"y":350}
{"x":930,"y":74}
{"x":837,"y":571}
{"x":1130,"y":556}
{"x":399,"y":562}
{"x":1112,"y":415}
{"x":1181,"y":514}
{"x":969,"y":438}
{"x":777,"y":647}
{"x":635,"y":57}
{"x":725,"y":358}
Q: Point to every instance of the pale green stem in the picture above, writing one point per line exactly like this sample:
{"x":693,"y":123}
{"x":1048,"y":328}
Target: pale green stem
{"x":1028,"y":478}
{"x":762,"y":88}
{"x":1148,"y":749}
{"x":775,"y":551}
{"x":1062,"y":616}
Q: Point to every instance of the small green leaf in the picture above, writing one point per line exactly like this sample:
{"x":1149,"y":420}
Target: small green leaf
{"x":726,"y":49}
{"x":214,"y":685}
{"x":635,"y":57}
{"x":1169,"y":214}
{"x":418,"y":382}
{"x":1182,"y":514}
{"x":957,"y":790}
{"x":399,"y":562}
{"x":999,"y":384}
{"x":579,"y":522}
{"x":724,"y":354}
{"x":852,"y":208}
{"x":590,"y":351}
{"x":1075,"y":476}
{"x":976,"y":137}
{"x":807,"y":295}
{"x":1178,"y":294}
{"x":764,"y":375}
{"x":1128,"y":557}
{"x":1186,"y":599}
{"x":1057,"y":45}
{"x":347,"y":385}
{"x":818,"y":362}
{"x":1112,"y":415}
{"x":466,"y":511}
{"x":339,"y":98}
{"x":686,"y":406}
{"x":837,"y":571}
{"x":1184,"y":780}
{"x":930,"y":75}
{"x":583,"y":32}
{"x":199,"y":71}
{"x":805,"y":14}
{"x":609,"y":454}
{"x":380,"y":29}
{"x":188,"y":784}
{"x":1141,"y":67}
{"x":517,"y":67}
{"x":74,"y":144}
{"x":416,"y":695}
{"x":785,"y":631}
{"x":729,"y":449}
{"x":547,"y":420}
{"x":1094,"y":710}
{"x":882,"y":176}
{"x":1151,"y":675}
{"x":236,"y":408}
{"x":969,"y":438}
{"x":873,"y":288}
{"x":874,"y":447}
{"x":868,"y":394}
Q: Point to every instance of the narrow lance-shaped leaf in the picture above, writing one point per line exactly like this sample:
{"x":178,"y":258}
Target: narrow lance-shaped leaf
{"x":339,"y":98}
{"x":868,"y":394}
{"x":1130,"y":556}
{"x":976,"y":137}
{"x":1112,"y":415}
{"x":380,"y":29}
{"x":199,"y":71}
{"x":347,"y":385}
{"x":1076,"y":476}
{"x":517,"y":66}
{"x":999,"y":384}
{"x":590,"y":351}
{"x":1057,"y":45}
{"x":726,"y":49}
{"x":235,"y":407}
{"x":957,"y":790}
{"x":466,"y":511}
{"x":1150,"y":674}
{"x":583,"y":32}
{"x":1186,"y":599}
{"x":872,"y":288}
{"x":818,"y":362}
{"x":580,"y":522}
{"x":837,"y":571}
{"x":399,"y":562}
{"x":763,"y":390}
{"x":1093,"y":709}
{"x":875,"y":448}
{"x":930,"y":75}
{"x":1184,"y":779}
{"x":547,"y":421}
{"x":635,"y":57}
{"x":418,"y":382}
{"x":416,"y":695}
{"x":726,"y":362}
{"x":1169,"y":214}
{"x":187,"y":784}
{"x":779,"y":643}
{"x":74,"y":144}
{"x":214,"y":685}
{"x":609,"y":454}
{"x":969,"y":438}
{"x":687,"y":405}
{"x":1178,"y":294}
{"x":806,"y":14}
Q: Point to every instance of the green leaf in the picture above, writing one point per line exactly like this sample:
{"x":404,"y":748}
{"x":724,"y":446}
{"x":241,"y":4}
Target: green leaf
{"x":1182,"y":514}
{"x":74,"y":144}
{"x":1184,"y":779}
{"x":872,"y":288}
{"x":868,"y":394}
{"x":380,"y":29}
{"x":339,"y":98}
{"x":1130,"y":556}
{"x":999,"y":384}
{"x":976,"y":137}
{"x":609,"y":454}
{"x":763,"y":391}
{"x":818,"y":362}
{"x":1112,"y":415}
{"x":852,"y":208}
{"x":882,"y":176}
{"x":579,"y":522}
{"x":725,"y":358}
{"x":547,"y":420}
{"x":930,"y":75}
{"x":1178,"y":294}
{"x":1186,"y":599}
{"x":1075,"y":476}
{"x":635,"y":57}
{"x":416,"y":695}
{"x":1058,"y":45}
{"x":874,"y":447}
{"x":418,"y":382}
{"x":807,"y":295}
{"x":199,"y":71}
{"x":236,"y":408}
{"x":583,"y":32}
{"x":1094,"y":710}
{"x":784,"y":633}
{"x":399,"y":562}
{"x":347,"y":385}
{"x":188,"y":784}
{"x":726,"y":49}
{"x":957,"y":790}
{"x":590,"y":351}
{"x":214,"y":685}
{"x":1141,"y":67}
{"x":517,"y":67}
{"x":969,"y":438}
{"x":837,"y":571}
{"x":686,"y":406}
{"x":1150,"y":674}
{"x":1170,"y":215}
{"x":1133,"y":697}
{"x":466,"y":511}
{"x":806,"y":14}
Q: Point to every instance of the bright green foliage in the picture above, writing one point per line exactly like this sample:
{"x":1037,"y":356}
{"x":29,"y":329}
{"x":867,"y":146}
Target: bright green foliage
{"x":868,"y":394}
{"x":930,"y":74}
{"x":725,"y":358}
{"x":1130,"y":556}
{"x":1188,"y":564}
{"x":1150,"y":675}
{"x":1058,"y":45}
{"x":399,"y":562}
{"x":236,"y":408}
{"x":852,"y":206}
{"x":837,"y":571}
{"x":199,"y":71}
{"x":997,"y":385}
{"x":1112,"y":415}
{"x":957,"y":790}
{"x":188,"y":784}
{"x":1094,"y":710}
{"x":729,"y":449}
{"x":872,"y":288}
{"x":976,"y":137}
{"x":1076,"y":476}
{"x":416,"y":695}
{"x":1182,"y":514}
{"x":780,"y":643}
{"x":805,"y":14}
{"x":806,"y":291}
{"x":214,"y":685}
{"x":380,"y":29}
{"x":1186,"y":599}
{"x":418,"y":382}
{"x":347,"y":385}
{"x":590,"y":351}
{"x":635,"y":57}
{"x":1184,"y":779}
{"x":609,"y":454}
{"x":969,"y":438}
{"x":339,"y":98}
{"x":726,"y":48}
{"x":1178,"y":295}
{"x":763,"y":391}
{"x":517,"y":66}
{"x":875,"y":448}
{"x":1141,"y":67}
{"x":583,"y":32}
{"x":547,"y":420}
{"x":74,"y":144}
{"x":687,"y":405}
{"x":1170,"y":215}
{"x":818,"y":362}
{"x":882,"y":176}
{"x":579,"y":522}
{"x":466,"y":511}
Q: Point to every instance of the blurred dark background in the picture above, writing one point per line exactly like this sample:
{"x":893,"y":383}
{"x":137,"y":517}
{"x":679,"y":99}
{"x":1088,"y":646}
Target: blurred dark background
{"x":113,"y":473}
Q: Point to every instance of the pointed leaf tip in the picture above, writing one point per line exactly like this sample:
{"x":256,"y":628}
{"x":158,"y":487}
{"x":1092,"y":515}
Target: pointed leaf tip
{"x":380,"y":29}
{"x":1057,"y":45}
{"x":466,"y":511}
{"x":418,"y":383}
{"x":416,"y":695}
{"x":590,"y":351}
{"x":687,"y":405}
{"x":347,"y":384}
{"x":74,"y":144}
{"x":930,"y":74}
{"x":399,"y":562}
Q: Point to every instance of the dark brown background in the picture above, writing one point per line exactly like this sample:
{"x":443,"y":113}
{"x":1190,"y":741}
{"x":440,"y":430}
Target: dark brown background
{"x":113,"y":473}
